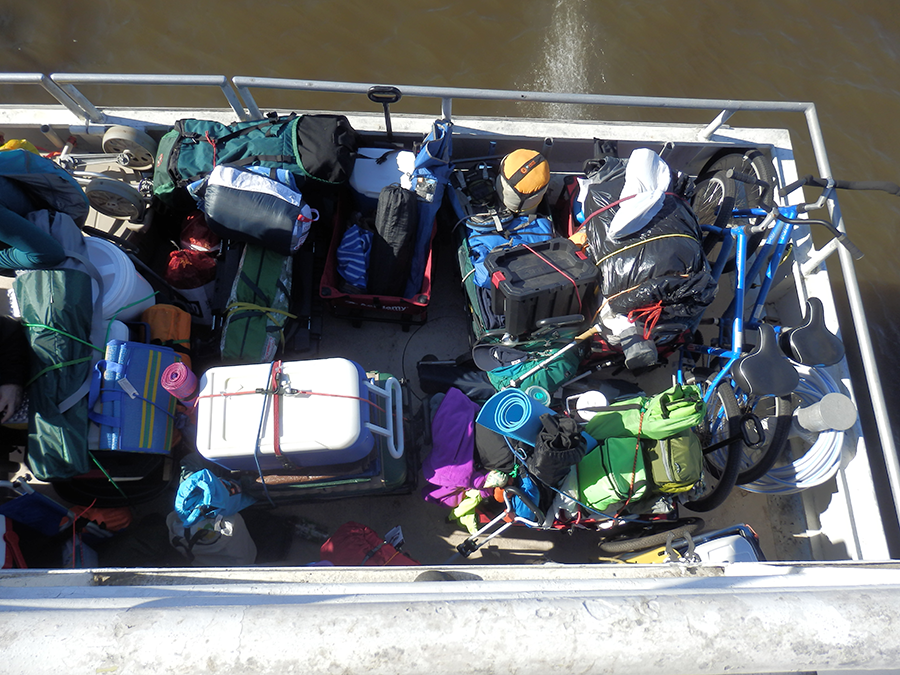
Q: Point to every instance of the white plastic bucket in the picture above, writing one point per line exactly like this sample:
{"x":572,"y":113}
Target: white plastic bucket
{"x":122,"y":284}
{"x":103,"y":332}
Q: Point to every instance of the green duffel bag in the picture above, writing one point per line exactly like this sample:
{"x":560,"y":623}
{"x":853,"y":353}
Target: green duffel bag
{"x":58,"y":326}
{"x":612,"y":472}
{"x":676,"y":462}
{"x":320,"y":147}
{"x":660,"y":416}
{"x":258,"y":307}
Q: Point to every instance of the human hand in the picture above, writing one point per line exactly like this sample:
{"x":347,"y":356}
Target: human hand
{"x":10,"y":400}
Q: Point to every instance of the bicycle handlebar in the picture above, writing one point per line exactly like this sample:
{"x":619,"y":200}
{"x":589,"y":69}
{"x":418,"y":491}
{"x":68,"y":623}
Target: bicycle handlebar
{"x":812,"y":181}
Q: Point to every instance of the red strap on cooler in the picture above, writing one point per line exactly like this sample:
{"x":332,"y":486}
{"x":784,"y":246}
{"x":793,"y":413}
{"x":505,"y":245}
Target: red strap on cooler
{"x":274,"y":387}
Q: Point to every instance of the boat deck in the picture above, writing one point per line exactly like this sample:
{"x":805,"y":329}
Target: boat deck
{"x":823,"y":524}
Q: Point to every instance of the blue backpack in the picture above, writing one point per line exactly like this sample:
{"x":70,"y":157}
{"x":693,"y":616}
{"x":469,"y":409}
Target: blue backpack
{"x":493,"y":232}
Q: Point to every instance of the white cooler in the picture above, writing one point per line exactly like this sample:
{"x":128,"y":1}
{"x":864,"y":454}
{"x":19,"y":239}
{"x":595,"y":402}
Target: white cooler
{"x":322,"y":419}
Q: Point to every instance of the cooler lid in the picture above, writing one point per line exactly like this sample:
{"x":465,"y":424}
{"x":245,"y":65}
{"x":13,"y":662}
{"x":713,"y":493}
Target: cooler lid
{"x":325,"y":414}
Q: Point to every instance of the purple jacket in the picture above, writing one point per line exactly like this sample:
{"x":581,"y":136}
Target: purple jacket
{"x":450,"y":467}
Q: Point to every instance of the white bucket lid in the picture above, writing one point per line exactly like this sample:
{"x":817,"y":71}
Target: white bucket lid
{"x":122,"y":285}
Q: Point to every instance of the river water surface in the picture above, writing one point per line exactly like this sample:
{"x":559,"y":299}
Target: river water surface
{"x":842,"y":56}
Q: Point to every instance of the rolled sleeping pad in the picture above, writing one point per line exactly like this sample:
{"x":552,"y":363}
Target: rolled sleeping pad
{"x":513,"y":413}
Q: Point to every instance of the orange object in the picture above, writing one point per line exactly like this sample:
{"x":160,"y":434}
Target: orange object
{"x":170,"y":327}
{"x":113,"y":519}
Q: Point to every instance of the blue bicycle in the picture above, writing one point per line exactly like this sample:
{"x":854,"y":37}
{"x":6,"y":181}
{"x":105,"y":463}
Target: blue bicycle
{"x":748,"y":388}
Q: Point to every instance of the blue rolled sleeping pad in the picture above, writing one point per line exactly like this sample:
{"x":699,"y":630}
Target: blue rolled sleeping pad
{"x":515,"y":414}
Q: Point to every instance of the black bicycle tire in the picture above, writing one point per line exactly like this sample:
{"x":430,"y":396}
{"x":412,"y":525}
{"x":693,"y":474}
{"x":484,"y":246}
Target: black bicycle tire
{"x":753,"y":163}
{"x":735,"y":451}
{"x":780,"y":432}
{"x":680,"y":528}
{"x":722,"y":205}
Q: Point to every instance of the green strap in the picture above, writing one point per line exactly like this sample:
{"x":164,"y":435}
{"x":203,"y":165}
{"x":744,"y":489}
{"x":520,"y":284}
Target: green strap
{"x":108,"y":477}
{"x":55,"y":366}
{"x":62,"y":332}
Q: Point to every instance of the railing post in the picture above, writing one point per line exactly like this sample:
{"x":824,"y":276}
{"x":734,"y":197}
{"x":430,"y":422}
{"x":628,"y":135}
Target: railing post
{"x":446,"y":108}
{"x":711,"y":128}
{"x":88,"y":108}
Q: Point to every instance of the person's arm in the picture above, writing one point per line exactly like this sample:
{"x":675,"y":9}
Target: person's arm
{"x":29,"y":247}
{"x":14,"y":362}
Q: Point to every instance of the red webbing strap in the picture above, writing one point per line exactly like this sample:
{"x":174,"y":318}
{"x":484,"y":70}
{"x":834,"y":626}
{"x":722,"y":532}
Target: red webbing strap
{"x":650,"y":316}
{"x":571,"y":280}
{"x":276,"y":409}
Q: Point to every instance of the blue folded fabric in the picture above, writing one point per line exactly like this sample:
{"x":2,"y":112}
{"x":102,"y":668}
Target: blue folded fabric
{"x":353,"y":256}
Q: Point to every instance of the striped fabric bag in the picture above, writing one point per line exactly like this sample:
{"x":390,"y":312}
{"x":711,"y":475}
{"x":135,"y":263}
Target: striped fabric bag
{"x":127,"y":400}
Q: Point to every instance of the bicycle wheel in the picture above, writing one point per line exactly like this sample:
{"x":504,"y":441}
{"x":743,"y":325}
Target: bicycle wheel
{"x":775,"y":416}
{"x":713,"y":203}
{"x":650,"y":535}
{"x":713,"y":199}
{"x":720,"y":427}
{"x":758,"y":191}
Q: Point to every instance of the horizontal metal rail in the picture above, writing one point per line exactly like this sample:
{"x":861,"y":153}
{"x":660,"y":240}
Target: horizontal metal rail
{"x":42,"y":80}
{"x":67,"y":82}
{"x":447,"y":94}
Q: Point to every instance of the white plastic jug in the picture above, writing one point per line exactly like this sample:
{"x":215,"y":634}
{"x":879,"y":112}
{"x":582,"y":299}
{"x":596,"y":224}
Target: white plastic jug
{"x":126,"y":294}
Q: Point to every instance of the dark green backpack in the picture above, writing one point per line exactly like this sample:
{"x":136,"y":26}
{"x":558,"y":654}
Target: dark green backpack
{"x":676,"y":462}
{"x":321,"y":148}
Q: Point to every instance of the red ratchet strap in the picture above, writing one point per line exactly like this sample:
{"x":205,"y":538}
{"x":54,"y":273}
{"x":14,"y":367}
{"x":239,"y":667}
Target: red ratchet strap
{"x":571,"y":280}
{"x":650,"y":316}
{"x":609,"y":206}
{"x":637,"y":450}
{"x":275,"y":390}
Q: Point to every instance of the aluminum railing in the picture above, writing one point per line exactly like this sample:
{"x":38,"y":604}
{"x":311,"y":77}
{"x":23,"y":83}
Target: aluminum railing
{"x":62,"y":87}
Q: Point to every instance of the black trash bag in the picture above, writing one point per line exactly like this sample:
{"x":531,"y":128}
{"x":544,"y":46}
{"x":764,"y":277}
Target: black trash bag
{"x":559,"y":446}
{"x":661,"y":266}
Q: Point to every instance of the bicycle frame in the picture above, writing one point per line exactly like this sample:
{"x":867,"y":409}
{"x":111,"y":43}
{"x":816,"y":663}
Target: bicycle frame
{"x":769,"y":254}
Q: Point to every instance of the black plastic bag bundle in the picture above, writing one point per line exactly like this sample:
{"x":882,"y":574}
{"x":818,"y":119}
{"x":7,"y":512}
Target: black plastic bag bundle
{"x":662,"y":263}
{"x":559,"y":446}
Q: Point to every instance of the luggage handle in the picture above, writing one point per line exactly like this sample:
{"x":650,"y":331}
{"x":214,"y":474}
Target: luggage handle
{"x":393,"y":414}
{"x":385,"y":95}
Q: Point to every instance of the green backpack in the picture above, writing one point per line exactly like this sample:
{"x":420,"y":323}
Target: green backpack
{"x":676,"y":462}
{"x":320,"y":147}
{"x":668,"y":413}
{"x":612,"y":472}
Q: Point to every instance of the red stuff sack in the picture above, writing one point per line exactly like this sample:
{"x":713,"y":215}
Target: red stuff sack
{"x":355,"y":545}
{"x":190,"y":269}
{"x":196,"y":235}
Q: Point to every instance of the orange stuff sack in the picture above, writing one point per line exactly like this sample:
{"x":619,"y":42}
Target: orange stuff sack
{"x":170,"y":327}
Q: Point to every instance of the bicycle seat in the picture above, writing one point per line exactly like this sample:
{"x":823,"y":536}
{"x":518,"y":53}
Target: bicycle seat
{"x":811,"y":343}
{"x":765,"y":370}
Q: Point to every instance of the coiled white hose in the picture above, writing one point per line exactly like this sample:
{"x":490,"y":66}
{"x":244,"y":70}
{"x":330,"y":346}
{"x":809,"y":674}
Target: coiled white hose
{"x":823,"y":458}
